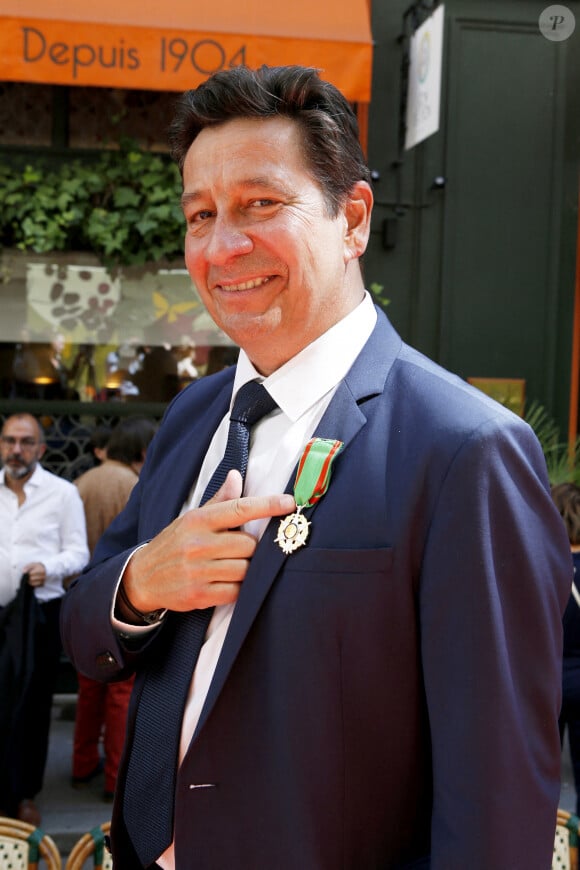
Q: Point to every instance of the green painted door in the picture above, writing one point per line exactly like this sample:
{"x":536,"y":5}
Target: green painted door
{"x":482,"y":275}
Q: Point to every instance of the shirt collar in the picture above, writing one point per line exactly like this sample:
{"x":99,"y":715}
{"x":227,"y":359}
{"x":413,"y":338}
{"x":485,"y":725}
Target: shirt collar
{"x":319,"y":367}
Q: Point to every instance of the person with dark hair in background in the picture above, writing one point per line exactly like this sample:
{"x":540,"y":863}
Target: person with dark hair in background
{"x":567,"y":499}
{"x":43,"y":542}
{"x":94,"y":452}
{"x":340,"y":579}
{"x":101,"y":710}
{"x":97,"y":443}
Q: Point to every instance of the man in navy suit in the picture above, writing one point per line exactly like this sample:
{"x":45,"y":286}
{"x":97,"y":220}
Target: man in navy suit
{"x":379,"y":685}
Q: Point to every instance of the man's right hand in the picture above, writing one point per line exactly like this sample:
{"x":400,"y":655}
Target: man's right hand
{"x":202,"y":557}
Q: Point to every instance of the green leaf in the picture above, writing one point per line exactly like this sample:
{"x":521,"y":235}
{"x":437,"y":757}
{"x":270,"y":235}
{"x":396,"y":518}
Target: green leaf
{"x":125,"y":196}
{"x":562,"y":460}
{"x":122,"y":205}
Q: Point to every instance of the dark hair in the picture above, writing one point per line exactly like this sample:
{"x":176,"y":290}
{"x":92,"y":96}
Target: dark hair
{"x":329,"y":128}
{"x":99,"y":437}
{"x":130,"y":438}
{"x":567,"y":499}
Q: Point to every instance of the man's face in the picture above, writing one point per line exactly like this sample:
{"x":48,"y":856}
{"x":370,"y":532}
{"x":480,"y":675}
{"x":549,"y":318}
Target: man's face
{"x":273,"y":269}
{"x":20,"y":447}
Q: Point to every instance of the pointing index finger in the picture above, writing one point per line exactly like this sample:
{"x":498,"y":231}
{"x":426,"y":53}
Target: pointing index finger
{"x":235,"y":512}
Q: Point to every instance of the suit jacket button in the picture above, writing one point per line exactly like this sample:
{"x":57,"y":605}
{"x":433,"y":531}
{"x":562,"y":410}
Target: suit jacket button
{"x":106,"y":661}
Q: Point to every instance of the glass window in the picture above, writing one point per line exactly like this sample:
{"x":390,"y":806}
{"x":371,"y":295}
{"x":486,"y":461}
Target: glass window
{"x":71,"y":330}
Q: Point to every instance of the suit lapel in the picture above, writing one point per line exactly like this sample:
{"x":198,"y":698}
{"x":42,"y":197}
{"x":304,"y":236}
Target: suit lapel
{"x":343,"y":420}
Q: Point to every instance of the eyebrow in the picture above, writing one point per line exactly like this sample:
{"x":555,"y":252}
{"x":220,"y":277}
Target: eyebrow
{"x":258,"y":181}
{"x":187,"y":198}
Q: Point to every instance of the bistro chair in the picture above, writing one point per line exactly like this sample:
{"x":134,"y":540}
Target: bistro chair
{"x":91,"y":844}
{"x":22,"y":846}
{"x":566,"y":842}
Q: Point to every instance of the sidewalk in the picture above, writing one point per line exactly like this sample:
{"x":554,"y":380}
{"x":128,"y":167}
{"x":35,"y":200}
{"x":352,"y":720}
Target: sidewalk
{"x":67,"y":814}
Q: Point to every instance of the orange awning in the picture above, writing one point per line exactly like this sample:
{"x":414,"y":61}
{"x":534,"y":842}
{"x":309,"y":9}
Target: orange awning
{"x":174,"y":46}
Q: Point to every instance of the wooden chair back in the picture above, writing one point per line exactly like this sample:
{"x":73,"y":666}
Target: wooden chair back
{"x":566,"y":842}
{"x":91,"y":844}
{"x":22,"y":846}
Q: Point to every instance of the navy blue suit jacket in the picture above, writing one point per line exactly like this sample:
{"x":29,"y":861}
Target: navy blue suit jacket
{"x":388,"y":695}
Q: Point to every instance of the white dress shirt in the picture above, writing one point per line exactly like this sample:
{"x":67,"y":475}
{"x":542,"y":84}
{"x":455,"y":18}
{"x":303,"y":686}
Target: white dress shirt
{"x":302,"y":388}
{"x":48,"y":527}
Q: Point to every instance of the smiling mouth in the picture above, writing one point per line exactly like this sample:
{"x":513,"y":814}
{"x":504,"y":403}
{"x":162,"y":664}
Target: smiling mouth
{"x":244,"y":285}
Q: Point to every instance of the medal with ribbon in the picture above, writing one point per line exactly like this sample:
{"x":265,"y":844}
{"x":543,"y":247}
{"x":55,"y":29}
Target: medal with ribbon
{"x":312,"y":480}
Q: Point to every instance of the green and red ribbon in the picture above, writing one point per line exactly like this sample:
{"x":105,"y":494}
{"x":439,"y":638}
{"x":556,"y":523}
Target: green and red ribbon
{"x":314,"y":469}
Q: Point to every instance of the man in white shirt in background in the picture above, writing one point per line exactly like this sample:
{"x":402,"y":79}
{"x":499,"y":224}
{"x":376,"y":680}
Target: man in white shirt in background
{"x":44,"y":539}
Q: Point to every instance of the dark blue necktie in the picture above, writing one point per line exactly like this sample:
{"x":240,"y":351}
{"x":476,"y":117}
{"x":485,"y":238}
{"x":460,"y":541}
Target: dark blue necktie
{"x":148,"y":803}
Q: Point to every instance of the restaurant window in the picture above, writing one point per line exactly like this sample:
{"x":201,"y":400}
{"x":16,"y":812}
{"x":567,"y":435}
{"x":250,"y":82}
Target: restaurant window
{"x":25,"y":114}
{"x":50,"y":116}
{"x":97,"y":116}
{"x":71,"y":329}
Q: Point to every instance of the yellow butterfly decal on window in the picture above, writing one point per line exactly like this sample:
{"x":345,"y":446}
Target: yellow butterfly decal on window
{"x":171,"y":310}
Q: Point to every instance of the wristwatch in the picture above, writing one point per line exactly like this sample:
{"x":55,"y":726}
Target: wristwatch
{"x":150,"y":618}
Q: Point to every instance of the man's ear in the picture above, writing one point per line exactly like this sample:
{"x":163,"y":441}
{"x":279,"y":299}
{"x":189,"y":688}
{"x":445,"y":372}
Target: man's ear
{"x":357,"y":212}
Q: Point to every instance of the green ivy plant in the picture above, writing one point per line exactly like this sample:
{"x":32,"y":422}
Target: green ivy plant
{"x":379,"y":294}
{"x":122,"y":206}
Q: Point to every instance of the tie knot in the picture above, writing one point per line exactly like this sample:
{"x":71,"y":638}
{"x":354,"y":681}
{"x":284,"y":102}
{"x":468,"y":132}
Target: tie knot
{"x":252,"y":402}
